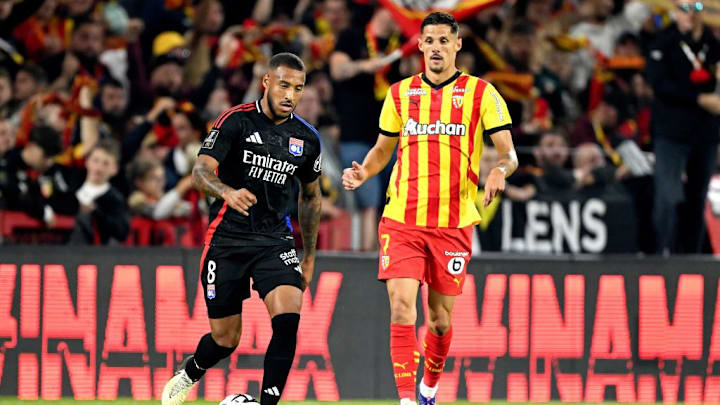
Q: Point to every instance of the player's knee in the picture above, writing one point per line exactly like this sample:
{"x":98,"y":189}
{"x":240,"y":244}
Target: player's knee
{"x":402,"y":311}
{"x":226,"y":338}
{"x":439,"y":327}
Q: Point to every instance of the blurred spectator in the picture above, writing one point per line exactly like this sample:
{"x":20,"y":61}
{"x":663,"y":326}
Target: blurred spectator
{"x":601,"y":28}
{"x":591,"y":172}
{"x":13,"y":13}
{"x":362,"y":76}
{"x":132,"y":143}
{"x":515,"y":79}
{"x":320,"y":81}
{"x":113,"y":101}
{"x":551,"y":156}
{"x":209,"y":17}
{"x":32,"y":182}
{"x":162,"y":76}
{"x":7,"y":137}
{"x":80,"y":8}
{"x":82,"y":56}
{"x":30,"y":80}
{"x":44,"y":34}
{"x":685,"y":126}
{"x":187,"y":129}
{"x":309,"y":108}
{"x":150,"y":199}
{"x":6,"y":93}
{"x":103,"y":215}
{"x":218,"y":102}
{"x":336,"y":14}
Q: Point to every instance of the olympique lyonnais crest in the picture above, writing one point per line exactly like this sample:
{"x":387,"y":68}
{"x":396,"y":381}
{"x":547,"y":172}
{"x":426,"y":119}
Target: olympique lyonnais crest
{"x":211,"y":291}
{"x":458,"y":101}
{"x":295,"y":147}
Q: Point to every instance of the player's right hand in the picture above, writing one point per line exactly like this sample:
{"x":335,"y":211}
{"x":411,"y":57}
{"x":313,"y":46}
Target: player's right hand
{"x":240,"y":200}
{"x":354,"y":177}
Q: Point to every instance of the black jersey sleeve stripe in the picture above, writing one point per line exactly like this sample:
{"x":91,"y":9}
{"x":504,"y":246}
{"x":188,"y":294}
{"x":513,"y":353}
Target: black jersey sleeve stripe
{"x":388,"y":133}
{"x":497,"y":129}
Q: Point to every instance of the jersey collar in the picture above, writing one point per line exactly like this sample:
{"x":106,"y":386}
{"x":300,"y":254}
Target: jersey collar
{"x":260,"y":111}
{"x":443,"y":84}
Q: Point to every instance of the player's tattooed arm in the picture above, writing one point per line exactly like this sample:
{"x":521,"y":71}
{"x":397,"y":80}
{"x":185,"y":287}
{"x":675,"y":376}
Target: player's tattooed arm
{"x":205,"y":179}
{"x":309,"y":205}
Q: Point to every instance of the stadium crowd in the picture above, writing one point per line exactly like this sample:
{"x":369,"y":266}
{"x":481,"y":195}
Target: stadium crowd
{"x":104,"y":104}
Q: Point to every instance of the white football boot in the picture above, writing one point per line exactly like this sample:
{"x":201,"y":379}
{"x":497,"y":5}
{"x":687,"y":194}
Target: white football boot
{"x":178,"y":387}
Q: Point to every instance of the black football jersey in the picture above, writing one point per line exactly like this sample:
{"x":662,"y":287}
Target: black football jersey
{"x":263,"y":157}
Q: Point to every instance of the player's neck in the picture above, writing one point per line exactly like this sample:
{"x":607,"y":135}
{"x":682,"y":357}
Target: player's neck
{"x":268,"y":111}
{"x":442,"y":77}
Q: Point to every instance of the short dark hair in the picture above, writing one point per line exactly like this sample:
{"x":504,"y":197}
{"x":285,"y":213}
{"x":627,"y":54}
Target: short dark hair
{"x":140,"y":167}
{"x":47,"y":139}
{"x":37,"y":72}
{"x":440,"y":18}
{"x":108,"y":146}
{"x":287,"y":59}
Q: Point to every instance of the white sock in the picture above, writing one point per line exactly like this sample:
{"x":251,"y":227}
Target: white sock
{"x":428,"y":392}
{"x":407,"y":401}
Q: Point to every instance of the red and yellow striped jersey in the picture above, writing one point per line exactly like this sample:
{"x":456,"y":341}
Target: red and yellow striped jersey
{"x":435,"y":179}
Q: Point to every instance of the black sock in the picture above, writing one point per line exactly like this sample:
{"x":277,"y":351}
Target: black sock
{"x":207,"y":354}
{"x":279,"y":357}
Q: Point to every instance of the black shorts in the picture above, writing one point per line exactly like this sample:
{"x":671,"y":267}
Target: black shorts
{"x":226,"y":270}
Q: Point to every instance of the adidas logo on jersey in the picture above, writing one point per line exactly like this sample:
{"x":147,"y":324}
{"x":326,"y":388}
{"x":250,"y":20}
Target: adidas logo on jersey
{"x":414,"y":128}
{"x":254,"y":138}
{"x":272,"y":391}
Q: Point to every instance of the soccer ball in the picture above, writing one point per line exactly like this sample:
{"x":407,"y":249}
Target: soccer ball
{"x":236,"y":399}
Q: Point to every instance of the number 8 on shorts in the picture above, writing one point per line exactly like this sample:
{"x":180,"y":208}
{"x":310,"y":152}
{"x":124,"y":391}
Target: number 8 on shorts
{"x":211,"y":271}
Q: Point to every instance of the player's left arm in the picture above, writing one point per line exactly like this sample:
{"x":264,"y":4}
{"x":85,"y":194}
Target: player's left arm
{"x":497,"y":123}
{"x":309,"y":207}
{"x":507,"y":164}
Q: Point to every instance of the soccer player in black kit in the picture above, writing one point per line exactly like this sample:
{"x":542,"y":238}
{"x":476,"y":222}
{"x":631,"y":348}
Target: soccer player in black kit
{"x":248,"y":162}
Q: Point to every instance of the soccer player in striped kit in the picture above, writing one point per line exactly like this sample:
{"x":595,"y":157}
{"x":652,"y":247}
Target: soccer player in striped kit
{"x":437,"y":121}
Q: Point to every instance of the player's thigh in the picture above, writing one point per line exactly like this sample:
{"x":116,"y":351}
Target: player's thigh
{"x":449,"y":252}
{"x":402,"y":253}
{"x":225,"y":281}
{"x":275,"y":266}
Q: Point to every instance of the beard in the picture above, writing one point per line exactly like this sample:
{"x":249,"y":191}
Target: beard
{"x":271,"y":104}
{"x":437,"y":69}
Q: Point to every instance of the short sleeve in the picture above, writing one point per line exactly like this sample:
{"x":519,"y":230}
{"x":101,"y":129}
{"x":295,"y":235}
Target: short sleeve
{"x":219,"y":140}
{"x":494,"y":112}
{"x":390,"y":121}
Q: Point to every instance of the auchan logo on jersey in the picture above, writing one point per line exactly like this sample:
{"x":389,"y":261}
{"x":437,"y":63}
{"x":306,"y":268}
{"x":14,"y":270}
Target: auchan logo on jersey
{"x":413,"y":128}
